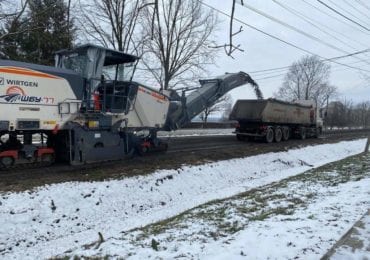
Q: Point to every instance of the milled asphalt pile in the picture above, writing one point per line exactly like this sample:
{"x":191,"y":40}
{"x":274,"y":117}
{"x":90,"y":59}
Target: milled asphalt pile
{"x":355,"y":244}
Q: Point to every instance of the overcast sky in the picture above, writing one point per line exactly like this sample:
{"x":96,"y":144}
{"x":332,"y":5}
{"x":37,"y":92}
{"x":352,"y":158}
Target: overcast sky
{"x":261,"y":52}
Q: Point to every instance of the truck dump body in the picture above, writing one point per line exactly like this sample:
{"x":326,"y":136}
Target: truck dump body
{"x":272,"y":111}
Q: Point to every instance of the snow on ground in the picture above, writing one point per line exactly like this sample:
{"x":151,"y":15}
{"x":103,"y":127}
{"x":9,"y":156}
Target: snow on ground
{"x":197,"y":132}
{"x":60,"y":218}
{"x":297,"y":221}
{"x":357,"y":244}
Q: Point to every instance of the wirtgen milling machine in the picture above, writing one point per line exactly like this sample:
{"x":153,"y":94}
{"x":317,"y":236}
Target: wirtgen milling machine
{"x":87,"y":108}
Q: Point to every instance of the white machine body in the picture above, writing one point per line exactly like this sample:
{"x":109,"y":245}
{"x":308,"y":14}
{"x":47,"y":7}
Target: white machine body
{"x":31,"y":96}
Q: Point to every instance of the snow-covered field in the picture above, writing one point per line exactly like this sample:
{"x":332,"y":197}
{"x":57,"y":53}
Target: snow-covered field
{"x":66,"y":218}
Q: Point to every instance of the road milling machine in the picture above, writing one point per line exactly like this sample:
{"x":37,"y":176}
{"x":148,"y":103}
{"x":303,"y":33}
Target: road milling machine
{"x":87,"y":108}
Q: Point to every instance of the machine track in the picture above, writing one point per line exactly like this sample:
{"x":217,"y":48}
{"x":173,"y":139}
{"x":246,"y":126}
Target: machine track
{"x":182,"y":150}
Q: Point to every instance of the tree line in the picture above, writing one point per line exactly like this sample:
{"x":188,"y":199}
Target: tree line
{"x":173,"y":38}
{"x":345,"y":113}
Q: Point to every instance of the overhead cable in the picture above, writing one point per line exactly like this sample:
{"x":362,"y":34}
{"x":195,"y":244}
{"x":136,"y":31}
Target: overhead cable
{"x":344,"y":16}
{"x":335,"y":18}
{"x":311,"y":21}
{"x":289,"y":26}
{"x":277,"y":38}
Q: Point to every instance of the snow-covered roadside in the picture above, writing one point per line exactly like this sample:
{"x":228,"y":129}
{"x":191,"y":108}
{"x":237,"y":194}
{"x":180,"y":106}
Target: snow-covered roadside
{"x":307,"y":232}
{"x":57,"y":218}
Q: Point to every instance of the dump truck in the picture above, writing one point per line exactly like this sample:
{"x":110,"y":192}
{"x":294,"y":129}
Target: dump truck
{"x":276,"y":120}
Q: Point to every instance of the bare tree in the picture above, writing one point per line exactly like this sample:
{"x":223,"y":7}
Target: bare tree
{"x":324,"y":93}
{"x":10,"y":8}
{"x":180,"y":33}
{"x":307,"y":79}
{"x":10,"y":16}
{"x":364,"y":114}
{"x":113,"y":23}
{"x":223,"y":105}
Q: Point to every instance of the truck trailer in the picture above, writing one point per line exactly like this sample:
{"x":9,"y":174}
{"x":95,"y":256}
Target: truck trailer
{"x":276,"y":120}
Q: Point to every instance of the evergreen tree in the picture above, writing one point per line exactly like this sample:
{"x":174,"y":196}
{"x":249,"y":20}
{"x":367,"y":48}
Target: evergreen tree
{"x":44,"y":29}
{"x":48,"y":30}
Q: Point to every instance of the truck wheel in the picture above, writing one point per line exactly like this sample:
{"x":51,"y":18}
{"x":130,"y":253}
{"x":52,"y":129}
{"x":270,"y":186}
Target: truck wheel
{"x":302,"y":133}
{"x":269,"y":135}
{"x":278,"y":135}
{"x":6,"y":162}
{"x":286,"y":133}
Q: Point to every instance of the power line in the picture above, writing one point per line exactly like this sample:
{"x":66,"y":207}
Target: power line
{"x":328,"y":59}
{"x":339,"y":13}
{"x":334,"y":17}
{"x":290,"y":27}
{"x":355,"y":8}
{"x":282,"y":74}
{"x":264,"y":77}
{"x":308,"y":20}
{"x":346,"y":11}
{"x":256,"y":29}
{"x":277,"y":38}
{"x":270,"y":77}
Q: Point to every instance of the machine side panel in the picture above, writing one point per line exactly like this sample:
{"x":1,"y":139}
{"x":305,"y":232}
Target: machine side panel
{"x":32,"y":96}
{"x":150,"y":109}
{"x":74,"y":79}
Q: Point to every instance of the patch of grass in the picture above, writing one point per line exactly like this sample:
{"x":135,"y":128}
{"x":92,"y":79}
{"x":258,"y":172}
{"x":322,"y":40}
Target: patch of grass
{"x":311,"y":217}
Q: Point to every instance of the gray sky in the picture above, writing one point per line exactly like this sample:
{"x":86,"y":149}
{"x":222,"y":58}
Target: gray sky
{"x":262,"y":52}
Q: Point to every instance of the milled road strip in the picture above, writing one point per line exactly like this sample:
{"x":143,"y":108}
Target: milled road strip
{"x":53,"y":219}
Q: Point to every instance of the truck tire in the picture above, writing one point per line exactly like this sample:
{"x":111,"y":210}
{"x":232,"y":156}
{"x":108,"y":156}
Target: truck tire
{"x":302,"y":133}
{"x":278,"y":134}
{"x":269,"y":135}
{"x":6,"y":162}
{"x":286,"y":133}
